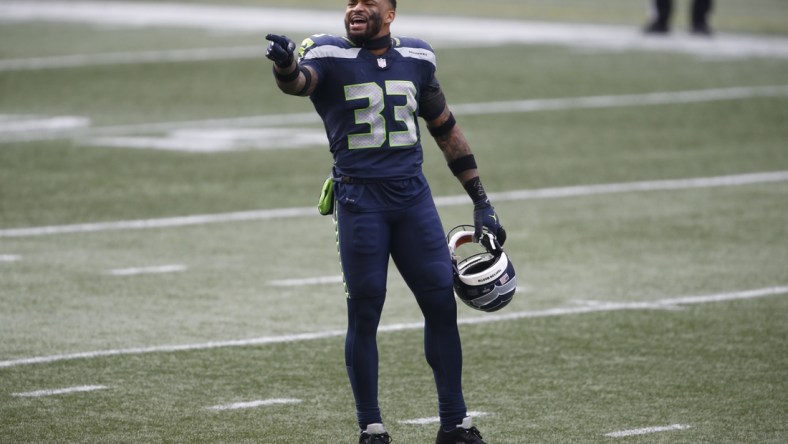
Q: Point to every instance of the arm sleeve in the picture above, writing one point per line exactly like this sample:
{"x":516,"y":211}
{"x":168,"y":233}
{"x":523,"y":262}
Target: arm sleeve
{"x":432,"y":101}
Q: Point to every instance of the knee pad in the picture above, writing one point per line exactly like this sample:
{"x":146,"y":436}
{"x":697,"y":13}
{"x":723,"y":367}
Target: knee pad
{"x":364,"y":314}
{"x":370,"y":286}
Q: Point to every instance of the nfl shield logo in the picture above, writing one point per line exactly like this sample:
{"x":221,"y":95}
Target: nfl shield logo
{"x":381,"y":63}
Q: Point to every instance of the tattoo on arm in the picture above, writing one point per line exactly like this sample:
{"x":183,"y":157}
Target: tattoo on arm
{"x":453,"y":144}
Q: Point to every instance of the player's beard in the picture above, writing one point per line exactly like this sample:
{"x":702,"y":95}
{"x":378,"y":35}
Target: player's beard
{"x":374,"y":25}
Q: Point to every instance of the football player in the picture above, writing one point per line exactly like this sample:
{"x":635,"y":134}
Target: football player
{"x":369,"y":88}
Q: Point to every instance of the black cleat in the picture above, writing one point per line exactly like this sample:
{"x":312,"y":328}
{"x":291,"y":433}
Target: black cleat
{"x":463,"y":434}
{"x":374,"y":434}
{"x":701,"y":29}
{"x":657,"y":28}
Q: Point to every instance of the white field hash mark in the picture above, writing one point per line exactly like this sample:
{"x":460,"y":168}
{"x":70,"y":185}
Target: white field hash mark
{"x":62,"y":391}
{"x":515,"y":195}
{"x":253,"y":404}
{"x":647,"y":430}
{"x":299,"y":337}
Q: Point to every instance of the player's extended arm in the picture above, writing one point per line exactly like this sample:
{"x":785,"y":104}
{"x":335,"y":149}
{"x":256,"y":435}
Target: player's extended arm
{"x":457,"y":151}
{"x":290,"y":76}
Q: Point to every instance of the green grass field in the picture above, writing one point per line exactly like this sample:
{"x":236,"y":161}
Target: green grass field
{"x":650,"y":242}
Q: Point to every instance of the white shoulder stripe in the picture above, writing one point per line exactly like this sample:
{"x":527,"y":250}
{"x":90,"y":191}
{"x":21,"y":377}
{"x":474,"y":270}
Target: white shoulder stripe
{"x":327,"y":51}
{"x":418,"y":53}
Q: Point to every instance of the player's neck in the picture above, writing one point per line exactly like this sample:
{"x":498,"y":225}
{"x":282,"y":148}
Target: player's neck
{"x":378,"y":45}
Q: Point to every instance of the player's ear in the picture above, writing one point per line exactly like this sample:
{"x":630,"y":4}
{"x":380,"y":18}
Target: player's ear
{"x":390,"y":16}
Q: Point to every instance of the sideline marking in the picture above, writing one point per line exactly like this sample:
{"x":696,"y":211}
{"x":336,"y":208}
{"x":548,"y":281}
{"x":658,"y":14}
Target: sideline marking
{"x":253,"y":404}
{"x":520,"y":106}
{"x":436,"y":419}
{"x":174,"y":268}
{"x":559,"y":311}
{"x":39,"y":393}
{"x":647,"y":430}
{"x":469,"y":30}
{"x":10,"y":257}
{"x":516,"y":195}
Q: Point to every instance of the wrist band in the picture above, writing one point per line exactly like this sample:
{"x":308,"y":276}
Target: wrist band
{"x":286,"y":78}
{"x":461,"y":164}
{"x":475,"y":190}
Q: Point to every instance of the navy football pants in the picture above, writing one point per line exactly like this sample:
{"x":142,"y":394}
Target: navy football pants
{"x":414,"y":239}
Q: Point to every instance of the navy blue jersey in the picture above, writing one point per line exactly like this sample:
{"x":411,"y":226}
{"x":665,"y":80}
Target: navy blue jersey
{"x":369,"y":104}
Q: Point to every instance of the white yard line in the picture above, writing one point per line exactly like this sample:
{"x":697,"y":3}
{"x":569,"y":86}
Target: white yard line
{"x":482,"y":319}
{"x":467,"y":109}
{"x":169,"y":222}
{"x":444,"y":201}
{"x":647,"y":430}
{"x":619,"y":101}
{"x":10,"y":258}
{"x":253,"y":404}
{"x":436,"y":419}
{"x":159,"y":269}
{"x":62,"y":391}
{"x":25,"y":123}
{"x":624,"y":187}
{"x":471,"y":30}
{"x":137,"y":57}
{"x":319,"y":280}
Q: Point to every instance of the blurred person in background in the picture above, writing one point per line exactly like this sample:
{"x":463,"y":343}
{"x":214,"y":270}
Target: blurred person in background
{"x":662,"y":11}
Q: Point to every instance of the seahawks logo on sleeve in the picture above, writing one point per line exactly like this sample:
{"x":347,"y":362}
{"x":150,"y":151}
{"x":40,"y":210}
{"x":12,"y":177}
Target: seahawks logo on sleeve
{"x":305,"y":46}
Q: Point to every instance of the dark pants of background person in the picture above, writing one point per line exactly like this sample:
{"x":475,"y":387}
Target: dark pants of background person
{"x":699,"y":14}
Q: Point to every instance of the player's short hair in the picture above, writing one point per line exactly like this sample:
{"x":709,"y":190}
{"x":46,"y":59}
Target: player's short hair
{"x":393,"y":4}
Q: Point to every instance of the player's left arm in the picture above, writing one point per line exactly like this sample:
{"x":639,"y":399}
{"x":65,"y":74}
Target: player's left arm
{"x":455,"y":147}
{"x":452,"y":142}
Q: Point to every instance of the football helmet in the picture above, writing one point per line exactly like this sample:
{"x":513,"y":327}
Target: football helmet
{"x":484,"y":279}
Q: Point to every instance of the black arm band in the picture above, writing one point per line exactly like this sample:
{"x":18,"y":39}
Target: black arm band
{"x":444,"y":128}
{"x":307,"y":80}
{"x":475,"y":190}
{"x":462,"y":164}
{"x":432,"y":102}
{"x":287,"y":78}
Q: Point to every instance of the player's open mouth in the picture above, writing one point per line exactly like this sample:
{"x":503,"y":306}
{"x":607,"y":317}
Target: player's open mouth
{"x":357,"y":23}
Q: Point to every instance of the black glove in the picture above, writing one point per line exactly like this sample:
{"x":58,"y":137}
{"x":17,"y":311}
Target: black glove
{"x":484,"y":217}
{"x":483,"y":212}
{"x":280,"y":49}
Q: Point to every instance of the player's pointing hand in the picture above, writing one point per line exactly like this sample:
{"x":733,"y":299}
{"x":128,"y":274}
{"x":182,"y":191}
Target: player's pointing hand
{"x":280,"y":49}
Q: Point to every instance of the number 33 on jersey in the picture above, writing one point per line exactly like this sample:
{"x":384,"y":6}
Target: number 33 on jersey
{"x":370,"y":103}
